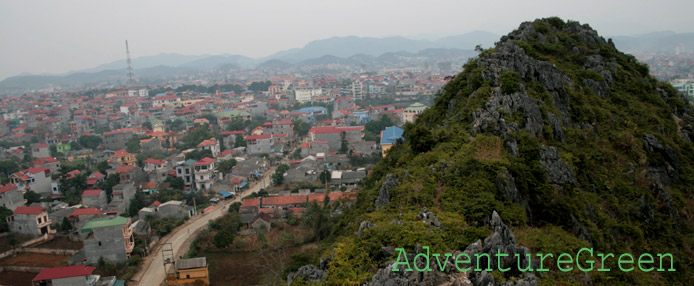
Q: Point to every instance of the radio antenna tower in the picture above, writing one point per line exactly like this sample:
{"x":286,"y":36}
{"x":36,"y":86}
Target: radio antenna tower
{"x":131,"y":76}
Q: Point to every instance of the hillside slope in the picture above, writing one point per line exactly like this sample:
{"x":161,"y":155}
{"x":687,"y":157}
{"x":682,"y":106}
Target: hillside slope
{"x":570,"y":141}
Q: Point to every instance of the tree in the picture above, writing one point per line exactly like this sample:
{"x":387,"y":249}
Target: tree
{"x":32,"y":197}
{"x":102,"y":167}
{"x":197,"y":155}
{"x":4,"y":213}
{"x":257,"y":86}
{"x":147,"y":125}
{"x":223,"y":239}
{"x":318,"y":219}
{"x":344,"y":148}
{"x":324,"y":176}
{"x":226,"y":166}
{"x":301,"y":128}
{"x":296,"y":154}
{"x":278,"y":176}
{"x":74,"y":146}
{"x":235,"y":124}
{"x":177,"y":183}
{"x":419,"y":137}
{"x":133,"y":144}
{"x":65,"y":226}
{"x":89,"y":141}
{"x":239,"y":141}
{"x":8,"y":167}
{"x":196,"y":135}
{"x":136,"y":204}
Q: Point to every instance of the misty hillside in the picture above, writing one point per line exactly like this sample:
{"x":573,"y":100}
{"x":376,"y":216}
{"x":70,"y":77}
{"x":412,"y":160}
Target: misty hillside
{"x":550,"y":142}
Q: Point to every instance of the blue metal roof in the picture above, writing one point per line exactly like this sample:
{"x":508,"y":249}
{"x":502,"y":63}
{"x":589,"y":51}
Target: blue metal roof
{"x":391,"y":134}
{"x":225,"y":194}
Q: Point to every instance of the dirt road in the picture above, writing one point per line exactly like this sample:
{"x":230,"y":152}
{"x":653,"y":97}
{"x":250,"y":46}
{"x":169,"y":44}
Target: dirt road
{"x":152,"y":271}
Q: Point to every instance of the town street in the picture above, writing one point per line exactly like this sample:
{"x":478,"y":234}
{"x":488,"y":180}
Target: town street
{"x":152,"y":270}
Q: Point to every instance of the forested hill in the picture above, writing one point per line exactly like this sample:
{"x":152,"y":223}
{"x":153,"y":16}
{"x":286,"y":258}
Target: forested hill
{"x":569,"y":140}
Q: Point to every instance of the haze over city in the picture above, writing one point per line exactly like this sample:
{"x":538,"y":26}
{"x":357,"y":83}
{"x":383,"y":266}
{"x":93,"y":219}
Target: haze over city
{"x":60,"y":36}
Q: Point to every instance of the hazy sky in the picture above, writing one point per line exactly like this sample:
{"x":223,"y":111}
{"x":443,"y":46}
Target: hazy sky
{"x":60,"y":36}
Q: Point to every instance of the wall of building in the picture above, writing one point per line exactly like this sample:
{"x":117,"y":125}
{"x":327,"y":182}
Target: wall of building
{"x":112,"y":245}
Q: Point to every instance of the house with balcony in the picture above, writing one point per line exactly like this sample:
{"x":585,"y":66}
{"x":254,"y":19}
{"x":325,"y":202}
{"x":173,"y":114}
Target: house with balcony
{"x":31,"y":221}
{"x":107,"y":237}
{"x":122,"y":158}
{"x":205,"y":173}
{"x":35,"y":179}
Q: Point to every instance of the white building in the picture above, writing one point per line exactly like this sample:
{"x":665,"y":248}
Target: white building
{"x":306,"y":94}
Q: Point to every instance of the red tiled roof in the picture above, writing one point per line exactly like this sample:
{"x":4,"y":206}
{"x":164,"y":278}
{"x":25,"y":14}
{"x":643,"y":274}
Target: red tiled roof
{"x":29,"y":210}
{"x":92,"y":192}
{"x":64,"y":272}
{"x":255,"y":202}
{"x":284,"y":200}
{"x":121,"y":153}
{"x":97,"y":175}
{"x":122,"y":169}
{"x":204,"y":161}
{"x":149,"y":185}
{"x":87,"y":211}
{"x":256,"y":137}
{"x":155,"y":161}
{"x":36,"y":170}
{"x":45,"y":160}
{"x":7,"y":188}
{"x":209,"y":142}
{"x":233,"y":132}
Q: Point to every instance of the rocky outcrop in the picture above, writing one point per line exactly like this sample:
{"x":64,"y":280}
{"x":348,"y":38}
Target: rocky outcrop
{"x":308,"y":273}
{"x":428,"y":218}
{"x":389,"y":183}
{"x":363,"y":226}
{"x":663,"y":174}
{"x":502,"y":239}
{"x":557,"y":171}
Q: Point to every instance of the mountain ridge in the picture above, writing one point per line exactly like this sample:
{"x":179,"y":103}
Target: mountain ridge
{"x":566,"y":138}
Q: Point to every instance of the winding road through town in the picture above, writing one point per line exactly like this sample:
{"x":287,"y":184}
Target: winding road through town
{"x":152,"y":270}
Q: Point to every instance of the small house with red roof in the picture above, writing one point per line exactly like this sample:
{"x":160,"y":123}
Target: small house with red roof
{"x":210,"y":144}
{"x":68,"y":275}
{"x":95,"y":178}
{"x":40,"y":150}
{"x":48,"y":162}
{"x":31,"y":221}
{"x":94,"y":198}
{"x":11,"y":197}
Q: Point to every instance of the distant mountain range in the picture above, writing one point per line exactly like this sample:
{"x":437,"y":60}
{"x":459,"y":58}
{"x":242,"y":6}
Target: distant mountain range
{"x":351,"y":50}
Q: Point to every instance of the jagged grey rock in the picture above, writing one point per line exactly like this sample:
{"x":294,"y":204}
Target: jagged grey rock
{"x":557,"y":171}
{"x":363,"y":226}
{"x":428,"y":218}
{"x":501,"y":239}
{"x":309,"y":273}
{"x":389,"y":183}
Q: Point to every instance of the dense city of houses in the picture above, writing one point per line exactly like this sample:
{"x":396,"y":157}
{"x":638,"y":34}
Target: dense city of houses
{"x":127,"y":142}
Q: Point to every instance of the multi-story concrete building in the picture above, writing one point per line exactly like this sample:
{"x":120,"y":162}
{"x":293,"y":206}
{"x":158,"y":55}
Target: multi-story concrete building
{"x":335,"y":135}
{"x":48,"y":162}
{"x":108,"y":237}
{"x":31,"y":221}
{"x":116,"y":139}
{"x":184,"y":170}
{"x":205,"y":173}
{"x":306,"y":94}
{"x":40,"y":150}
